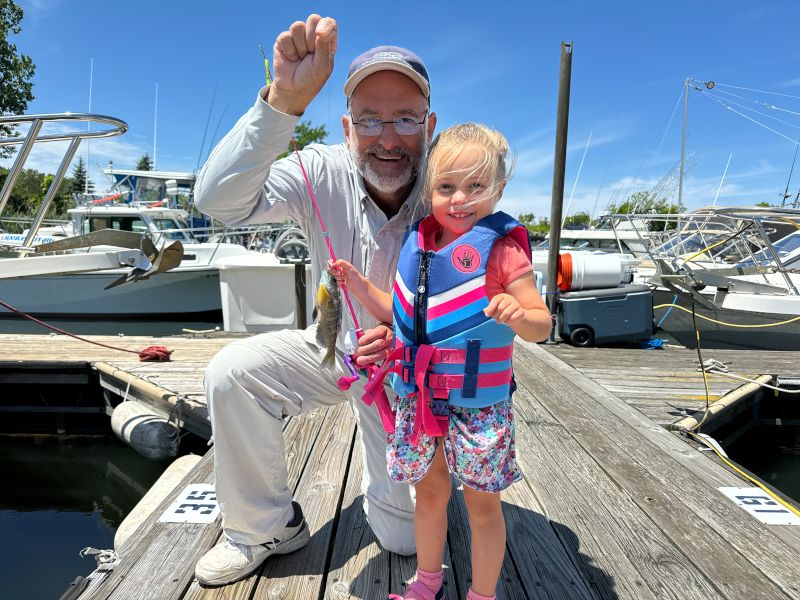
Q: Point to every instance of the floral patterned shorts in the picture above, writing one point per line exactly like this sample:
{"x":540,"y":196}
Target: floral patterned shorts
{"x":479,"y":447}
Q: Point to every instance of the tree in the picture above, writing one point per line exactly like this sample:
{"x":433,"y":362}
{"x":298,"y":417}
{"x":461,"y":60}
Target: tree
{"x":16,"y":71}
{"x":145,"y":163}
{"x":305,"y":134}
{"x":29,"y":190}
{"x":529,"y":220}
{"x":648,"y":203}
{"x":579,"y":220}
{"x":79,"y":178}
{"x":763,"y":203}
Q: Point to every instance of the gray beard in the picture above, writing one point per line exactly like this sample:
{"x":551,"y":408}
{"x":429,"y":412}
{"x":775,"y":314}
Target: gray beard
{"x":384,"y":184}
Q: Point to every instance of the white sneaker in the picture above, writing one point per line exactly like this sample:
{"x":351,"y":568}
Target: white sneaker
{"x":228,"y":561}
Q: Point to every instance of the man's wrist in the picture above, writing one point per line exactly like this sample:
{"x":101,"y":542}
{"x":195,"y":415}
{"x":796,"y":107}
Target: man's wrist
{"x":284,"y":103}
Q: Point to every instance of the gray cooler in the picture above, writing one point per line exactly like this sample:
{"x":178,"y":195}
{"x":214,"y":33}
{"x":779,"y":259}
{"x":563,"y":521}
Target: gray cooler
{"x":619,"y":314}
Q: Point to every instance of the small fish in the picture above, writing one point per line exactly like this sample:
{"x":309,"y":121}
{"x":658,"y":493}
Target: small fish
{"x":329,"y":316}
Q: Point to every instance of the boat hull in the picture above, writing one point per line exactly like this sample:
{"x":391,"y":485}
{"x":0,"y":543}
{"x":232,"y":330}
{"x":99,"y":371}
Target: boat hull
{"x":678,"y":324}
{"x":177,"y":294}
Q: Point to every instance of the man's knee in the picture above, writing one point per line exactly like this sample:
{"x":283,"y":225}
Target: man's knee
{"x":232,"y":365}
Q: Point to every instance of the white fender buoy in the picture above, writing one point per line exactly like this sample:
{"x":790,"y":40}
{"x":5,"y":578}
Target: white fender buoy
{"x":148,"y":432}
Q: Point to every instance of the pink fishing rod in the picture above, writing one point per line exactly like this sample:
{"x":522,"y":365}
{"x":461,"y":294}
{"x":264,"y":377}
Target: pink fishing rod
{"x":344,"y":382}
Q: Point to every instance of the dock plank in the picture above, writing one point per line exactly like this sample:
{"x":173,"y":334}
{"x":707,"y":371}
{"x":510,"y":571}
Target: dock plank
{"x":612,"y":505}
{"x":299,"y":434}
{"x":302,"y":574}
{"x":754,"y":565}
{"x":618,"y":539}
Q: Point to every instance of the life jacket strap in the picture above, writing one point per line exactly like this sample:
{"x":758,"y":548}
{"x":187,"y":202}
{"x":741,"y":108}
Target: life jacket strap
{"x":448,"y":356}
{"x":375,"y":393}
{"x":425,"y":421}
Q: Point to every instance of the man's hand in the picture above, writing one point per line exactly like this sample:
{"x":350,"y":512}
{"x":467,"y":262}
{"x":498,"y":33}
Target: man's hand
{"x":303,"y":62}
{"x":374,"y":346}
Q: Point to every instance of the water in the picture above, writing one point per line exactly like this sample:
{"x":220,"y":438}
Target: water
{"x":59,"y":496}
{"x":772,"y":453}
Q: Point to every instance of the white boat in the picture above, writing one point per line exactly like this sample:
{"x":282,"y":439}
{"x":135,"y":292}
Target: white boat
{"x":736,"y":268}
{"x":190,"y":290}
{"x":50,"y":272}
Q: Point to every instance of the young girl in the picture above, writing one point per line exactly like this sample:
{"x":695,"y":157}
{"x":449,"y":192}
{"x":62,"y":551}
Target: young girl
{"x":463,"y":289}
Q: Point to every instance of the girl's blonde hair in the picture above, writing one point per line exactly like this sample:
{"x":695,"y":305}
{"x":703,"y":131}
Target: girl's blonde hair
{"x":494,"y":157}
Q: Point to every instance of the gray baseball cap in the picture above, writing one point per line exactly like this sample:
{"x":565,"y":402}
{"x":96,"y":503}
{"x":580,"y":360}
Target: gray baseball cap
{"x":387,"y":58}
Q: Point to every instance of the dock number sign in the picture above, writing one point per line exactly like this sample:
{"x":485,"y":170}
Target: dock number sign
{"x":197,"y":503}
{"x":759,"y":504}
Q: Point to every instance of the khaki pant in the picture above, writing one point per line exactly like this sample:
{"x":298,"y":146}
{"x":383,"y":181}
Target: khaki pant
{"x":251,"y":385}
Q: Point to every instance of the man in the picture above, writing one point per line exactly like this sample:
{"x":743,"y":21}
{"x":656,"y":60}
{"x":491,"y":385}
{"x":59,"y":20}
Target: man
{"x":368,"y":190}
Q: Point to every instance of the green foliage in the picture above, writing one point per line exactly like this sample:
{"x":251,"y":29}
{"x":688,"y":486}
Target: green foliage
{"x":145,"y":163}
{"x":79,"y":177}
{"x":305,"y":134}
{"x":648,"y":203}
{"x":764,"y":204}
{"x":579,"y":218}
{"x":534,"y":226}
{"x":16,"y":71}
{"x":29,"y":191}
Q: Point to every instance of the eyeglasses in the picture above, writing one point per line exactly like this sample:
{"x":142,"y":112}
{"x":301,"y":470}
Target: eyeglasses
{"x":372,"y":126}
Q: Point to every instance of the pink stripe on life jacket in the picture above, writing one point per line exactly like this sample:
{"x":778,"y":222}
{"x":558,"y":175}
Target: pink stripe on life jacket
{"x":456,"y":303}
{"x":409,"y":310}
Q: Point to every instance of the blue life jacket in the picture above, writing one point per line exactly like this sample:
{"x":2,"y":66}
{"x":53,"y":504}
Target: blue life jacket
{"x":447,"y":351}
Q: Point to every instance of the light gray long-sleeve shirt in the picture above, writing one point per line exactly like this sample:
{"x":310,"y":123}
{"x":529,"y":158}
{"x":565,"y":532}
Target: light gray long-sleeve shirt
{"x":242,"y":183}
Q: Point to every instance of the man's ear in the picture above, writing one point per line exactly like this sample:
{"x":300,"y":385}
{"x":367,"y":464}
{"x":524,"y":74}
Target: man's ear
{"x":431,"y":125}
{"x":346,"y":127}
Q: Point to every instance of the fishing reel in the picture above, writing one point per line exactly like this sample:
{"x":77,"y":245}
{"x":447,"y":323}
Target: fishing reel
{"x":350,"y":346}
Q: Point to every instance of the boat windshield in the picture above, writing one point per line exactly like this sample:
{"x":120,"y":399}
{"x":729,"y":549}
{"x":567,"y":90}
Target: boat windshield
{"x":170,"y":225}
{"x":785,"y":247}
{"x":120,"y":222}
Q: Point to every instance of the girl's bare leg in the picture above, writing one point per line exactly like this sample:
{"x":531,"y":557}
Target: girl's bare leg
{"x":488,"y":538}
{"x":430,"y":517}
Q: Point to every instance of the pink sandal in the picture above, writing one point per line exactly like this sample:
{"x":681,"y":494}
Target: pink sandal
{"x":422,"y":591}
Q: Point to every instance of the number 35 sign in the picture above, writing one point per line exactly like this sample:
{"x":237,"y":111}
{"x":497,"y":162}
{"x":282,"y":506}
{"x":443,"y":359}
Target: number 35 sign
{"x":197,"y":503}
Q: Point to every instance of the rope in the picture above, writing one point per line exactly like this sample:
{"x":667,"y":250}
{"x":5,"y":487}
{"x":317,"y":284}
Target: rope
{"x":718,"y":368}
{"x":758,"y":112}
{"x":106,"y":559}
{"x":760,"y":124}
{"x":736,"y":87}
{"x":737,"y":325}
{"x":694,"y":433}
{"x":747,"y":476}
{"x":151,"y":353}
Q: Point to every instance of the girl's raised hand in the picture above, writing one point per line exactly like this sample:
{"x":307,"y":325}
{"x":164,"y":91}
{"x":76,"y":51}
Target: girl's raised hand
{"x":504,"y":308}
{"x":344,"y":273}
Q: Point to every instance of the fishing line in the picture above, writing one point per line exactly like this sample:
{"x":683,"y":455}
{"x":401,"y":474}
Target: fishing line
{"x":321,"y":221}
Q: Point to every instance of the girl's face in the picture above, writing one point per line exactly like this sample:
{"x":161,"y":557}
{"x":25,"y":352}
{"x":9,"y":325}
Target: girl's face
{"x":461,"y":196}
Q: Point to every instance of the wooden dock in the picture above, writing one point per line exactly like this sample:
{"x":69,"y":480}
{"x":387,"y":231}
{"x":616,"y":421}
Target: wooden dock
{"x":612,"y":505}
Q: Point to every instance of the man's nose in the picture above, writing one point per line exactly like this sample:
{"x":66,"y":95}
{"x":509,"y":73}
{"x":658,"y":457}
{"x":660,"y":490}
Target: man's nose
{"x":388,"y":137}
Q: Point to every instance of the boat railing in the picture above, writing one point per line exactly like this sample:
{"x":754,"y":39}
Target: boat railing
{"x":35,"y":135}
{"x":715,"y":239}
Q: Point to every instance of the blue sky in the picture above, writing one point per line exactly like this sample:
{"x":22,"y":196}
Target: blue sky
{"x":494,"y":63}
